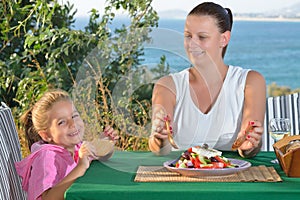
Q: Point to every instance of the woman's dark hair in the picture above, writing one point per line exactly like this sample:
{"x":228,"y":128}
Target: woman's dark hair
{"x":222,"y":15}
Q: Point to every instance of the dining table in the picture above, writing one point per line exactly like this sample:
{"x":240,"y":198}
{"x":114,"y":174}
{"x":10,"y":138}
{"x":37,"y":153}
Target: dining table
{"x":115,"y":179}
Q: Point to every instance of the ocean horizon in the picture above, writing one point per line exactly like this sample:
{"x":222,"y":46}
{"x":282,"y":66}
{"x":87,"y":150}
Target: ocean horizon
{"x":271,"y":47}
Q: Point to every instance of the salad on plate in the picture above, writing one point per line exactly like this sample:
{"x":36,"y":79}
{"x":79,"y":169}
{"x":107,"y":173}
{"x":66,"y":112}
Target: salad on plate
{"x":202,"y":158}
{"x":204,"y":161}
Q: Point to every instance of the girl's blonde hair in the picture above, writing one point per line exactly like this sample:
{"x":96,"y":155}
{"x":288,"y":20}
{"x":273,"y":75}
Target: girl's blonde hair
{"x":36,"y":118}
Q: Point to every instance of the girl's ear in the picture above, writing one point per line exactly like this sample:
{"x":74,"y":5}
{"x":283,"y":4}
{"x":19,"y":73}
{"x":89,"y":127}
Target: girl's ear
{"x":44,"y":135}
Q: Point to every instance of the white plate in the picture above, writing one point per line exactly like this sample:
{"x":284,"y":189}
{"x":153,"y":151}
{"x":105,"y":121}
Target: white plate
{"x":242,"y":165}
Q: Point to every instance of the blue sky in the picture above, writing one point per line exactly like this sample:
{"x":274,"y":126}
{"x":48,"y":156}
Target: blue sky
{"x":237,"y":6}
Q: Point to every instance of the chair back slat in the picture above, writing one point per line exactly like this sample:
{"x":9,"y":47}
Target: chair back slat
{"x":286,"y":106}
{"x":10,"y":152}
{"x":296,"y":101}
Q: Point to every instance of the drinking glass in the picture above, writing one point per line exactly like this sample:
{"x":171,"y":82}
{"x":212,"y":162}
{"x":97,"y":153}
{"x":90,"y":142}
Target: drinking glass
{"x":278,"y":128}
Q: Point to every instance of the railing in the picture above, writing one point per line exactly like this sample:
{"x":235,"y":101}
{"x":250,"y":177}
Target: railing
{"x":10,"y":182}
{"x":287,"y":106}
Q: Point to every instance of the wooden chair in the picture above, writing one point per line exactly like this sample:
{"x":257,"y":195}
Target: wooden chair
{"x":287,"y":106}
{"x":10,"y":152}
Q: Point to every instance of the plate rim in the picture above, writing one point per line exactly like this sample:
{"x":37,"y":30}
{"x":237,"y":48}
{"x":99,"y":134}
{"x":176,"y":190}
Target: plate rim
{"x":209,"y":172}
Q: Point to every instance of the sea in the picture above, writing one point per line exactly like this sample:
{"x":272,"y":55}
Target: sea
{"x":269,"y":47}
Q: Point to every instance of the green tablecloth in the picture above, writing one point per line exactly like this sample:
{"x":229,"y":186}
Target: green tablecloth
{"x":114,"y":179}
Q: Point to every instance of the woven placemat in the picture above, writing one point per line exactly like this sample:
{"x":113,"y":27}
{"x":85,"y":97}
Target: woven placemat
{"x":161,"y":174}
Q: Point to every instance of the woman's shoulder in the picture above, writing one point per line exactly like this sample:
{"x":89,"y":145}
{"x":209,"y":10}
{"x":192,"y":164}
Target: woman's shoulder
{"x":169,"y":78}
{"x":164,"y":85}
{"x":244,"y":70}
{"x":255,"y":78}
{"x":250,"y":73}
{"x":238,"y":69}
{"x":164,"y":80}
{"x":251,"y":77}
{"x":181,"y":74}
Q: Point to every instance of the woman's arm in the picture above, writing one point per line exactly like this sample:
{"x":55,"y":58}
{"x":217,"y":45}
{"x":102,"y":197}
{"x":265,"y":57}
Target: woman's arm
{"x":253,"y":113}
{"x":163,"y":103}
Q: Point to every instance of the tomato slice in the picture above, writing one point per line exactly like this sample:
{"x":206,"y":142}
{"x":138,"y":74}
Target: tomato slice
{"x":218,"y":165}
{"x":197,"y":163}
{"x":221,"y":161}
{"x":207,"y":166}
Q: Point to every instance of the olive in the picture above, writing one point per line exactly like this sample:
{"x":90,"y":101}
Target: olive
{"x":212,"y":159}
{"x":205,"y":146}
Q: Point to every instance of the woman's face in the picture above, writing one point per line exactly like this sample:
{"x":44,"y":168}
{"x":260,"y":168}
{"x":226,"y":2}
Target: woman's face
{"x":203,"y":41}
{"x":66,"y":127}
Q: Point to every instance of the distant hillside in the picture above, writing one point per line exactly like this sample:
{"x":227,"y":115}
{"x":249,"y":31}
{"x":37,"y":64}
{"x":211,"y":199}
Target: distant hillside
{"x":287,"y":12}
{"x":291,"y":12}
{"x":172,"y":14}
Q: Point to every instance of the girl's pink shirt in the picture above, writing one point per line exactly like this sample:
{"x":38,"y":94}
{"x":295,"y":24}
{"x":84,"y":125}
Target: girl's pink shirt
{"x":46,"y":166}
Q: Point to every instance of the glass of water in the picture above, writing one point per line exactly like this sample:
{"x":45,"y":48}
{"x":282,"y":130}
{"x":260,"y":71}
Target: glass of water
{"x":279,"y":128}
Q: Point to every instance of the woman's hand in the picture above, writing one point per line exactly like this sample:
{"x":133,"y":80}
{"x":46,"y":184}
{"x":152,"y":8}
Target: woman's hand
{"x":252,"y":144}
{"x":159,"y":130}
{"x":159,"y":135}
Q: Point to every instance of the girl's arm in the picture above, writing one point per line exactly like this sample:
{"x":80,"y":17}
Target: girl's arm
{"x":57,"y":192}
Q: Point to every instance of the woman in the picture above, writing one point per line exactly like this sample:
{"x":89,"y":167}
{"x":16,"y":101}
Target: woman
{"x":210,"y":102}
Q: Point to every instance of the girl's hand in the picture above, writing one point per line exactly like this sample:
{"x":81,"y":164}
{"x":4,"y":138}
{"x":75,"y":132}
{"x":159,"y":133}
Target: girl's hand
{"x":86,"y":154}
{"x":111,"y":133}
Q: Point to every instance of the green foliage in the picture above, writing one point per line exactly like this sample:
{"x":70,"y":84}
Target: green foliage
{"x":40,"y":50}
{"x":37,"y":40}
{"x":275,"y":90}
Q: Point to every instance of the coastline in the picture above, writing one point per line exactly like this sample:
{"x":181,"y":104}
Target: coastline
{"x":239,"y":18}
{"x":266,"y":19}
{"x":235,"y":18}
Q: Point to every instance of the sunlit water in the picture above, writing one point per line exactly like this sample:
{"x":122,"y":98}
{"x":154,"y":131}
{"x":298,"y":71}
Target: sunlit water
{"x":271,"y":48}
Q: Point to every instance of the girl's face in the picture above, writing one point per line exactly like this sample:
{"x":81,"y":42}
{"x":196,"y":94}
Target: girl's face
{"x":203,"y":42}
{"x":66,"y":128}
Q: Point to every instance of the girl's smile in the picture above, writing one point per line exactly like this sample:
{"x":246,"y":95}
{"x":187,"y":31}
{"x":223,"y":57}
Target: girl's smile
{"x":76,"y":133}
{"x":65,"y":126}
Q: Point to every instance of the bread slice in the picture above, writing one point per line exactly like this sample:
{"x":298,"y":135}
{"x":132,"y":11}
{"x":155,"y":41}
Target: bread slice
{"x":103,"y":147}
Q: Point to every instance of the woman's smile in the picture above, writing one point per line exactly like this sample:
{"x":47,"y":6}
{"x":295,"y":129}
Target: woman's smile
{"x":196,"y":53}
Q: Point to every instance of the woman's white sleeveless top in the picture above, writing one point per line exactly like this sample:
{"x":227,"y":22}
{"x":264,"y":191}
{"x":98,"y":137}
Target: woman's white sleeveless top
{"x":220,"y":126}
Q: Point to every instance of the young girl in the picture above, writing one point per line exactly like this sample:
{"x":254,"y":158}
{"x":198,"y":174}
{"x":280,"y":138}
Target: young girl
{"x":54,"y":131}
